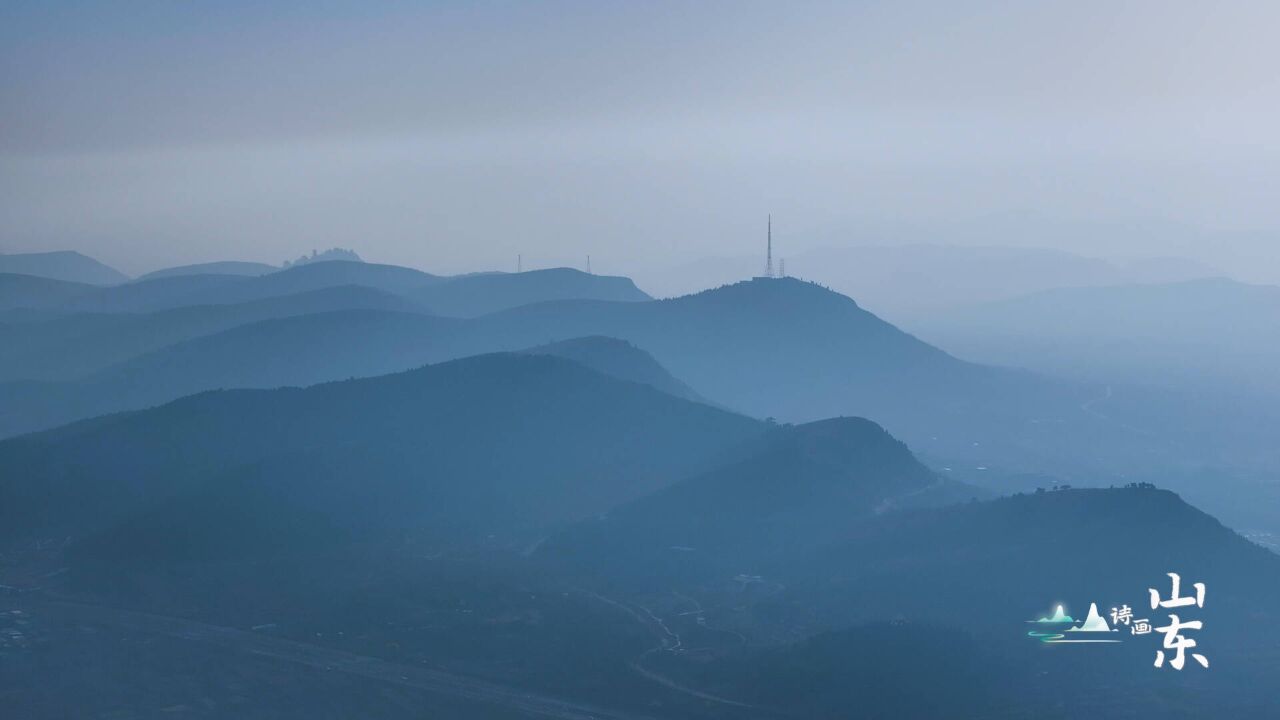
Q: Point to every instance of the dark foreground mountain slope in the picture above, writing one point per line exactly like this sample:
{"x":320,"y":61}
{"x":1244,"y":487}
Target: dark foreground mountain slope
{"x":387,"y":518}
{"x":483,"y":293}
{"x":490,"y":443}
{"x":904,"y":590}
{"x":986,"y":560}
{"x":65,"y":265}
{"x":801,"y":487}
{"x":988,"y":567}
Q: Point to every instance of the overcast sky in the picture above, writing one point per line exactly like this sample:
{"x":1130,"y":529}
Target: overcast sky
{"x":452,"y":136}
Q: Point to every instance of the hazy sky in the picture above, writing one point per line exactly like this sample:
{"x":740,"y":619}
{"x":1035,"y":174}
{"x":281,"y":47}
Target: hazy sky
{"x":452,"y":136}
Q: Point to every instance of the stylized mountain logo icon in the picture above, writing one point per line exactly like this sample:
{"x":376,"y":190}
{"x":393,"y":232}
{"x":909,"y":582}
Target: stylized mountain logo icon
{"x":1059,"y":616}
{"x":1093,"y":623}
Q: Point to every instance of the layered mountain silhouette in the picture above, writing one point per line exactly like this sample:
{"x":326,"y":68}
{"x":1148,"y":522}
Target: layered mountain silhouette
{"x":292,"y":350}
{"x":65,"y":265}
{"x":166,"y":292}
{"x":802,"y":341}
{"x":497,"y":443}
{"x":313,"y":276}
{"x":162,"y":293}
{"x":461,"y":296}
{"x":768,"y":347}
{"x":297,"y":350}
{"x":465,"y":295}
{"x":838,"y":360}
{"x":798,"y":352}
{"x":77,"y":345}
{"x":573,"y":494}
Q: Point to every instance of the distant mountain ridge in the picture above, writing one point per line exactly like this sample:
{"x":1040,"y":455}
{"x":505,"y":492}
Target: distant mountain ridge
{"x":224,"y":267}
{"x":462,"y":296}
{"x":74,"y":346}
{"x":65,"y":265}
{"x":167,"y":292}
{"x":913,"y":281}
{"x":484,"y":293}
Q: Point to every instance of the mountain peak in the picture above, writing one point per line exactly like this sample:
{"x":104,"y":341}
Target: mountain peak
{"x":782,"y":301}
{"x":849,"y":443}
{"x":767,"y":288}
{"x":798,"y":487}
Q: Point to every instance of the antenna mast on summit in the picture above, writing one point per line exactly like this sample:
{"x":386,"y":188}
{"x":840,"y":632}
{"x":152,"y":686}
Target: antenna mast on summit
{"x":768,"y":255}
